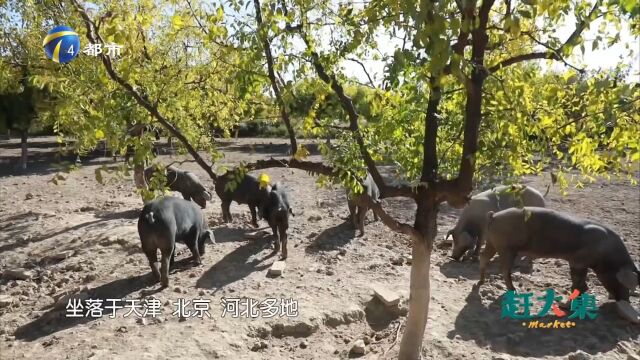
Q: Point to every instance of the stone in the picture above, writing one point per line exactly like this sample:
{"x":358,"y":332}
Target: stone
{"x":304,"y":344}
{"x":256,"y":235}
{"x":277,"y":268}
{"x":28,"y":196}
{"x":626,"y":311}
{"x":579,"y":355}
{"x":141,"y":321}
{"x":59,"y":256}
{"x":358,"y":347}
{"x":18,"y":274}
{"x":178,"y":289}
{"x":445,"y":243}
{"x":5,"y":300}
{"x":259,"y":345}
{"x":388,"y":297}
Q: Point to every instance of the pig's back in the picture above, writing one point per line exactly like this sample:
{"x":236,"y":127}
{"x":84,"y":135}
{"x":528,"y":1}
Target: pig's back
{"x":561,"y":235}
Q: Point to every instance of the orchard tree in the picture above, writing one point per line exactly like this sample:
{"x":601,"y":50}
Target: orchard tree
{"x":463,"y":96}
{"x":461,"y":54}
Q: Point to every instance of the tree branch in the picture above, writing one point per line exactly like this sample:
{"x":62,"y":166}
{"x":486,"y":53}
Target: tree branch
{"x":363,"y":69}
{"x":140,"y":98}
{"x":272,"y":77}
{"x":552,"y":54}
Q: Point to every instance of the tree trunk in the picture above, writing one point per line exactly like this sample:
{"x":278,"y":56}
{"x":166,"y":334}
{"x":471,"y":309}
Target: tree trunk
{"x":138,"y":178}
{"x":411,"y":344}
{"x":24,"y":150}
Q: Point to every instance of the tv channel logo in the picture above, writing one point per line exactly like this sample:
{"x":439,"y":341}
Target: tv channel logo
{"x":62,"y":44}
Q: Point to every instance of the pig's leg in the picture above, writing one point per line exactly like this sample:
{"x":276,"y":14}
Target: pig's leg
{"x":507,"y":259}
{"x":195,"y":254}
{"x":226,"y":214}
{"x":610,"y":282}
{"x":352,"y":213}
{"x":579,"y":279}
{"x":173,"y":258}
{"x":487,"y":254}
{"x":164,"y":267}
{"x":283,"y":239}
{"x":362,"y":214}
{"x":254,"y":221}
{"x":375,"y":216}
{"x":152,"y":256}
{"x":276,"y":239}
{"x":193,"y":247}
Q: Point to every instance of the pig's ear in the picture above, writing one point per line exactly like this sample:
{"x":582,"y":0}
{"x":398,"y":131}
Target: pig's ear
{"x":490,"y":216}
{"x":291,"y":212}
{"x":207,"y":195}
{"x":628,"y":278}
{"x":467,"y":239}
{"x":209,"y":237}
{"x":449,"y":233}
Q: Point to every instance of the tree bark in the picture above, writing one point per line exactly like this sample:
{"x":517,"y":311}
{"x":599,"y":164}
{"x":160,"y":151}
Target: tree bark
{"x":420,"y":286}
{"x":24,"y":150}
{"x":284,"y":114}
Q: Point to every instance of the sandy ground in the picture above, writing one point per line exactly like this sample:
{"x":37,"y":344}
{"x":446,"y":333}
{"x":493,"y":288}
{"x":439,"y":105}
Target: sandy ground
{"x":81,"y":237}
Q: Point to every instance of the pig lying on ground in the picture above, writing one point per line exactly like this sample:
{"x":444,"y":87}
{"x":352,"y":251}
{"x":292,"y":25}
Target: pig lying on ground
{"x":545,"y":233}
{"x":467,"y":234}
{"x":184,"y":182}
{"x":248,"y":191}
{"x":168,"y":220}
{"x":276,"y":211}
{"x":358,"y":209}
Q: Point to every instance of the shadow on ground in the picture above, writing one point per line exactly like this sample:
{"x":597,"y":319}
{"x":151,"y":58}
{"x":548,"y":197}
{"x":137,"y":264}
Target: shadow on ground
{"x":225,"y":233}
{"x":333,"y":238}
{"x":470,"y":269}
{"x":14,"y":231}
{"x":55,"y":320}
{"x":483,"y":325}
{"x":234,"y":266}
{"x":378,"y":315}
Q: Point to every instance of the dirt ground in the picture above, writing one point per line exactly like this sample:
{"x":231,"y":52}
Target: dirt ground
{"x":80,"y":237}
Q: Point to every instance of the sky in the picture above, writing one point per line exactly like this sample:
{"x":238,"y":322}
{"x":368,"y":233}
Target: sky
{"x":599,"y":59}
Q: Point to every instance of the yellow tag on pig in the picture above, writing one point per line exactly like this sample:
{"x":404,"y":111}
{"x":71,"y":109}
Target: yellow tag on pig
{"x":264,"y":180}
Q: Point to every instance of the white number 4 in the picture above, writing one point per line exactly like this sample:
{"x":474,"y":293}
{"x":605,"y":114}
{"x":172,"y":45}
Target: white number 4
{"x":70,"y":50}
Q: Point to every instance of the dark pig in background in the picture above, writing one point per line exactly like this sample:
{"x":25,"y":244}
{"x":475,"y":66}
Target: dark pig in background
{"x":165,"y":221}
{"x":248,"y":191}
{"x":358,"y":208}
{"x":545,"y":233}
{"x":276,"y":211}
{"x":467,"y":234}
{"x":184,"y":182}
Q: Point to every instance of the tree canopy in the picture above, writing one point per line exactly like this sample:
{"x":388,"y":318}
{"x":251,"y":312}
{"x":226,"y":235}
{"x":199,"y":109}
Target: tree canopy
{"x":467,"y":92}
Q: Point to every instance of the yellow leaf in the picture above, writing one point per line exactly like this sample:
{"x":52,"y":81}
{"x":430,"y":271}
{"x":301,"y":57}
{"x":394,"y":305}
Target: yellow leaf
{"x":99,"y":134}
{"x":301,"y":154}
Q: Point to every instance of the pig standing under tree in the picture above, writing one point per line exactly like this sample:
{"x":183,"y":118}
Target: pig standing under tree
{"x":164,"y":222}
{"x":276,"y":210}
{"x":467,"y":234}
{"x":545,"y":233}
{"x":358,"y":208}
{"x":184,"y":182}
{"x":249,"y":190}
